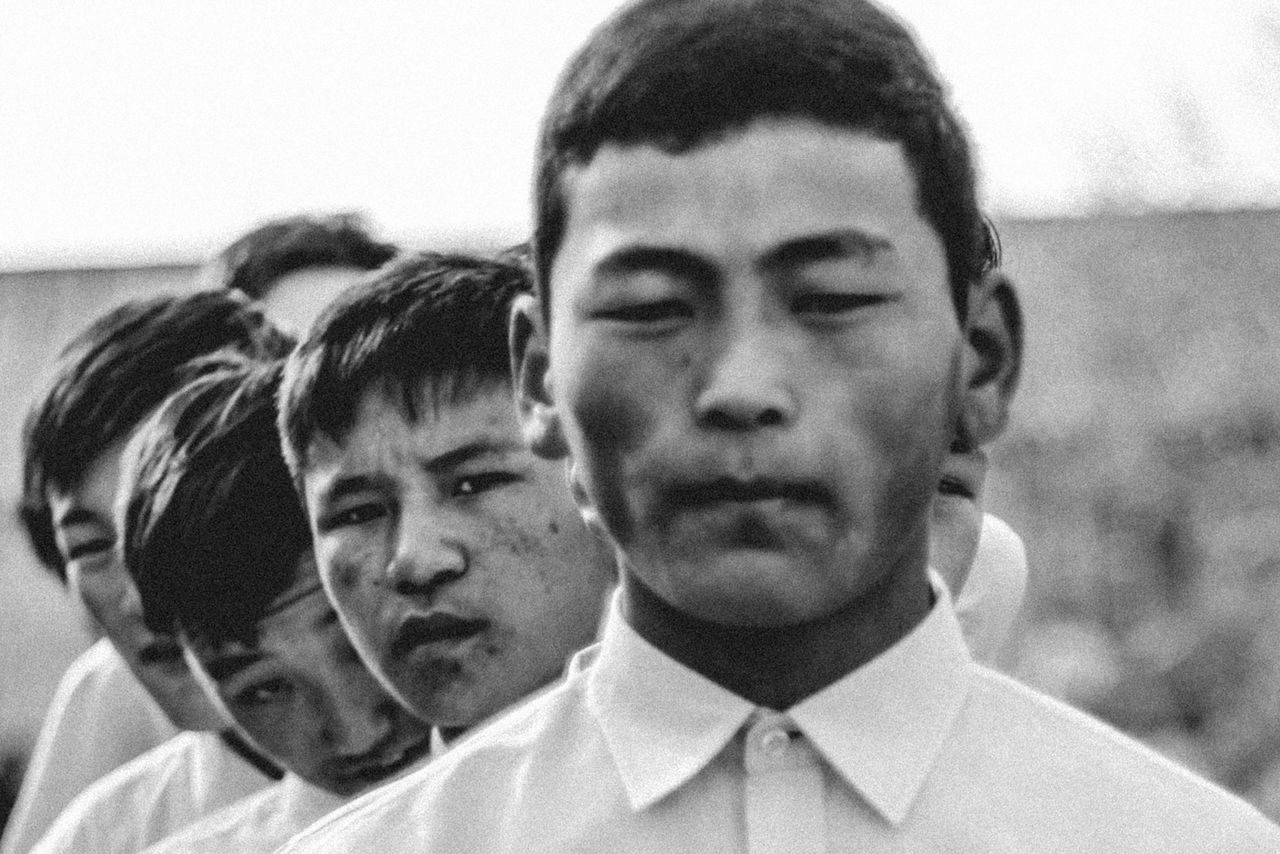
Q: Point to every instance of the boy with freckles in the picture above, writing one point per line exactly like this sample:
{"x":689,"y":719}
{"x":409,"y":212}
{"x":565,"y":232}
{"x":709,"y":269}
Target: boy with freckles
{"x":765,"y":309}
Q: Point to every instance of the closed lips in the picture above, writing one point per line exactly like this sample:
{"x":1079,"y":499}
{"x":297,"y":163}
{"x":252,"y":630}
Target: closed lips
{"x":757,"y":489}
{"x":434,"y":628}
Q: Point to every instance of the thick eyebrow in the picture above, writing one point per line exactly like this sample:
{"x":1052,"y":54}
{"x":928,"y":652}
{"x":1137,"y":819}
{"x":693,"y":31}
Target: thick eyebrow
{"x":672,"y":261}
{"x":231,"y":663}
{"x":349,"y":485}
{"x":465,"y":453}
{"x":829,"y":246}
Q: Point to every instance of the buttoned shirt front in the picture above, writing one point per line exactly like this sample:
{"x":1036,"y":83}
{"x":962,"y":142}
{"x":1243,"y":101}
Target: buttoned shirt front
{"x":919,"y":749}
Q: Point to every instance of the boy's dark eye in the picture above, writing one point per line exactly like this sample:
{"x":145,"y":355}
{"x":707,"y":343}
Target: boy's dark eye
{"x":952,"y":486}
{"x":349,"y":516}
{"x":474,"y":484}
{"x":264,"y":693}
{"x":828,"y":303}
{"x":648,"y":312}
{"x":90,"y":549}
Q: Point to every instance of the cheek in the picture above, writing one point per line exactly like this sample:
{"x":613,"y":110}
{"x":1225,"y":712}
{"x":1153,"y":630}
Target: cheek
{"x":348,"y":564}
{"x":611,"y":405}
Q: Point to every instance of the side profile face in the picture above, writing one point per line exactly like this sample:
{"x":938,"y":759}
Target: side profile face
{"x":454,"y":556}
{"x":86,"y":535}
{"x":295,"y":299}
{"x":301,"y":694}
{"x":755,"y":361}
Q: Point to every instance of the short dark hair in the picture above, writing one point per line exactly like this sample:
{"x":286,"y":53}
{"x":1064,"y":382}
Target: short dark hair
{"x":111,"y":376}
{"x":429,"y":323}
{"x":678,"y":74}
{"x":212,"y":529}
{"x":256,"y":260}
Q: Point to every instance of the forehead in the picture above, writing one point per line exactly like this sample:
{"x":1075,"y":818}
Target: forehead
{"x":296,"y":622}
{"x":387,"y":438}
{"x":743,"y":194}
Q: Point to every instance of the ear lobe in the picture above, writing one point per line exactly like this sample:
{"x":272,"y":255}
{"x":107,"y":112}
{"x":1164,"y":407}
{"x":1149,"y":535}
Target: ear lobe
{"x":530,"y":361}
{"x":993,"y":358}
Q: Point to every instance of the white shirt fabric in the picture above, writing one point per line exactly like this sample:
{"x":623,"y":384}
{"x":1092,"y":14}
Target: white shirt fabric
{"x":100,"y":718}
{"x":921,"y":749}
{"x":991,"y":598}
{"x":186,"y":778}
{"x":261,"y":823}
{"x":258,"y":824}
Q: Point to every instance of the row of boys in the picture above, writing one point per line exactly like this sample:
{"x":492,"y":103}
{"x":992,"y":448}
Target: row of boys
{"x":763,"y":329}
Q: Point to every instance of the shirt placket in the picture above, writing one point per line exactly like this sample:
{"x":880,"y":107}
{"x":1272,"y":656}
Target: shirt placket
{"x":784,"y":797}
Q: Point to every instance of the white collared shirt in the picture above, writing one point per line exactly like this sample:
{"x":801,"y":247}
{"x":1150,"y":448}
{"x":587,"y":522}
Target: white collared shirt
{"x":921,"y":749}
{"x":100,"y":718}
{"x":258,"y":824}
{"x":143,"y":801}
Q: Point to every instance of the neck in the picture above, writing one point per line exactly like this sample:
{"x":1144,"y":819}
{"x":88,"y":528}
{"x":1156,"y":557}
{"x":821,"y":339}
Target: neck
{"x":778,"y":666}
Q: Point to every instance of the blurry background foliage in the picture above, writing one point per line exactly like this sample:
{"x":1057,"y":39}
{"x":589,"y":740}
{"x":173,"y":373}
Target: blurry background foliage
{"x":1142,"y":469}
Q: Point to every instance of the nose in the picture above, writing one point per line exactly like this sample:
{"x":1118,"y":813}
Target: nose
{"x":425,"y":558}
{"x":747,"y":387}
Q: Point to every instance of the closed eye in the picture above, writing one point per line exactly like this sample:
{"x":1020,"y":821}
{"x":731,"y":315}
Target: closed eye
{"x":829,"y":303}
{"x":475,"y":484}
{"x":90,"y":548}
{"x":646,"y":312}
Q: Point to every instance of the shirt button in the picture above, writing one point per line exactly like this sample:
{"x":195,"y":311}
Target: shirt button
{"x":774,"y":743}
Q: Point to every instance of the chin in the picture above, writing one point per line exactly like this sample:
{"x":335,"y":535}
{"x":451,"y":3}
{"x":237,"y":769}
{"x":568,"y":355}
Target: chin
{"x":749,"y":591}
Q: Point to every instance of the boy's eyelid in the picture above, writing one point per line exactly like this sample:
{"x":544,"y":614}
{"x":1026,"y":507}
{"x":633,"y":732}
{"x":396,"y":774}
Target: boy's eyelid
{"x":90,"y":548}
{"x":338,"y":515}
{"x":488,"y":478}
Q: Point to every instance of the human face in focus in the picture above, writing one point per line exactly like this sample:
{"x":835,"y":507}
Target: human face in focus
{"x":755,"y":361}
{"x":302,"y":696}
{"x":454,"y":556}
{"x":85,"y":531}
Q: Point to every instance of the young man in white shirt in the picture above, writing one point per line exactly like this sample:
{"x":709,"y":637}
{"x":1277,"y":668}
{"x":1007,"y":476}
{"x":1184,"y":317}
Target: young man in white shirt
{"x":765,"y":309}
{"x":215,"y":538}
{"x":119,"y":701}
{"x":421,"y":486}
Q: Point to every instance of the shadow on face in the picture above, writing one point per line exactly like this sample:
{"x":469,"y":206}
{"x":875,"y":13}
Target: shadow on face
{"x":301,"y":695}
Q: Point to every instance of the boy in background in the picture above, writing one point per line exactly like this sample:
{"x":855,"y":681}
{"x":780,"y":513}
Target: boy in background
{"x":106,"y":381}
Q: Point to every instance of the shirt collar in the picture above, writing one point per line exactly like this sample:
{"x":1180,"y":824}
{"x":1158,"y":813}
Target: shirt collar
{"x":880,"y":727}
{"x":662,"y":721}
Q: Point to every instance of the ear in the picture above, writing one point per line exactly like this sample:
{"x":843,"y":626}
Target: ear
{"x":530,"y":361}
{"x":993,"y":358}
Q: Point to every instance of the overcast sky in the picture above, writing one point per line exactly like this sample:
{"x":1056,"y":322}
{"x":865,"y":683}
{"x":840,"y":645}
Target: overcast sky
{"x":159,"y":129}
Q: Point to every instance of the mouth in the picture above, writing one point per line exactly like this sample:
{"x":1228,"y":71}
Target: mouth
{"x":374,"y":767}
{"x":728,"y":490}
{"x":435,"y":629}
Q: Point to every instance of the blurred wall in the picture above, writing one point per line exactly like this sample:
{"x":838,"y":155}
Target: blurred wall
{"x":1142,"y":467}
